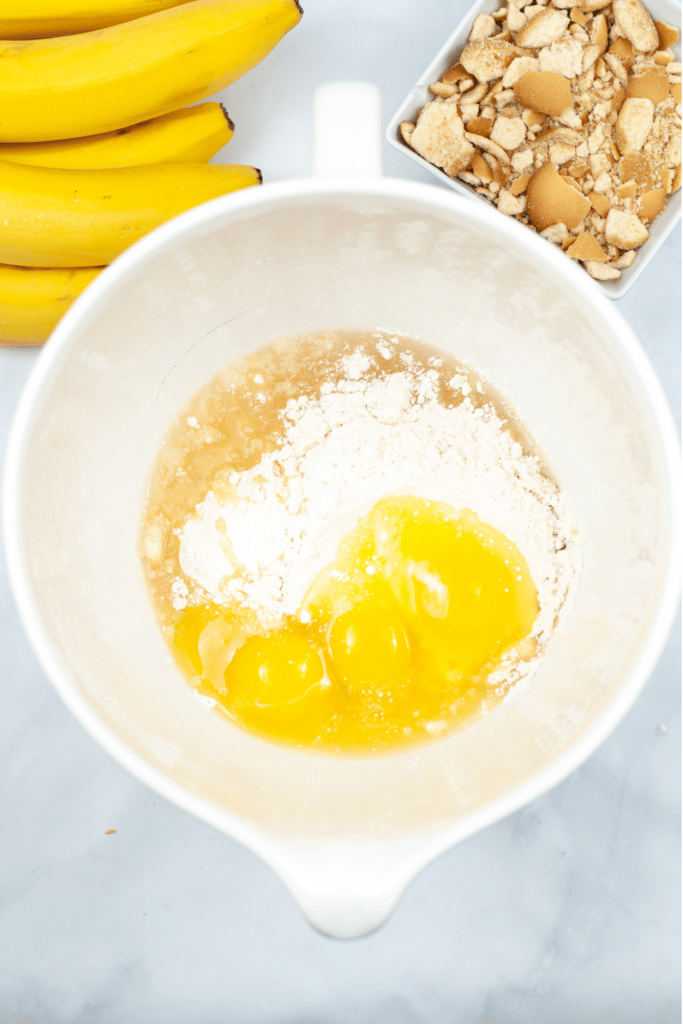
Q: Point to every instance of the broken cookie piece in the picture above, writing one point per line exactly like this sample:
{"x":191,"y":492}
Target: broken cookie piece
{"x":546,"y":92}
{"x":545,"y":28}
{"x":635,"y":23}
{"x":487,"y":59}
{"x":625,"y":230}
{"x":648,"y":83}
{"x":439,"y":136}
{"x":586,"y":247}
{"x":508,"y":132}
{"x":602,"y":271}
{"x":651,"y":204}
{"x":551,"y":200}
{"x":634,"y":124}
{"x":668,"y":34}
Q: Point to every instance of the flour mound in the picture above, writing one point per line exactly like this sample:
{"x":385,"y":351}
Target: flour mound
{"x":263,"y":537}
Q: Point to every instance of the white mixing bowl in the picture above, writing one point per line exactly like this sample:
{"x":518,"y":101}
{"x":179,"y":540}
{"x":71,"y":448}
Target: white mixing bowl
{"x":346,"y":835}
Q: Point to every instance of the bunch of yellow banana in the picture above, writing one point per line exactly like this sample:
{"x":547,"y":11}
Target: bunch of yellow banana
{"x":97,"y":142}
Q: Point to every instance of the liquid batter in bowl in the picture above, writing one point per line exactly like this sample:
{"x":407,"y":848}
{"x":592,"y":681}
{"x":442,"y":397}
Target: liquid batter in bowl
{"x":351,"y":544}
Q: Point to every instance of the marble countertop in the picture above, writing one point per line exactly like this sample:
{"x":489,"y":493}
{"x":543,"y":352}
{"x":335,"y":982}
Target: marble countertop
{"x":567,"y":912}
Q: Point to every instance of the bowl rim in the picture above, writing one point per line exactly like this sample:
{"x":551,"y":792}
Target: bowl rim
{"x":266,"y":844}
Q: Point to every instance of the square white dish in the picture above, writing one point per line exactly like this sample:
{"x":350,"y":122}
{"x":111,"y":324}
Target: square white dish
{"x":419,"y":95}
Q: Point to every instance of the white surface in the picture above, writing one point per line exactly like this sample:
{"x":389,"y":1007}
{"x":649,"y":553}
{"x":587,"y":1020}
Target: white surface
{"x":568,"y":911}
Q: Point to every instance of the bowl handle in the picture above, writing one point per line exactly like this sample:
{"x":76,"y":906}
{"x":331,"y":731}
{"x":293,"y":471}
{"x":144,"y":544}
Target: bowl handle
{"x":347,"y":130}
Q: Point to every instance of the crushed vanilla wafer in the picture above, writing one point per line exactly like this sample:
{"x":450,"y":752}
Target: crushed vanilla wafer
{"x":565,"y":114}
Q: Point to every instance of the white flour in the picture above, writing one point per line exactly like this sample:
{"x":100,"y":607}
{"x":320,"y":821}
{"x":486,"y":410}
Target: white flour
{"x":264,"y":537}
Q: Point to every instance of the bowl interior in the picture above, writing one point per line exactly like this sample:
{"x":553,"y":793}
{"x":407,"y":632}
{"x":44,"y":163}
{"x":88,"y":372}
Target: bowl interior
{"x":223,"y":283}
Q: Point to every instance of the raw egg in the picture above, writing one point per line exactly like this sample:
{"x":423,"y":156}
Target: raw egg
{"x":395,"y":640}
{"x":277,"y":676}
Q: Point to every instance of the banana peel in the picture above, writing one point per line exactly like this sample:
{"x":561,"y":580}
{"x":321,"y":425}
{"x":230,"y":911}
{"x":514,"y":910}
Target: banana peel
{"x":53,"y":217}
{"x":191,"y":135}
{"x":95,"y":82}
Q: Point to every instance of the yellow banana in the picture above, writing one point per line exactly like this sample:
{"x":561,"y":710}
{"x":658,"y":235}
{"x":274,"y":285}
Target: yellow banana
{"x":190,"y":135}
{"x":50,"y":217}
{"x":36,"y":19}
{"x":32,"y":301}
{"x":100,"y":81}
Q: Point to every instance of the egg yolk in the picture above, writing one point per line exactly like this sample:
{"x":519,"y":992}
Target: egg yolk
{"x":465,"y":587}
{"x":368,"y":644}
{"x":395,"y":640}
{"x":277,"y":676}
